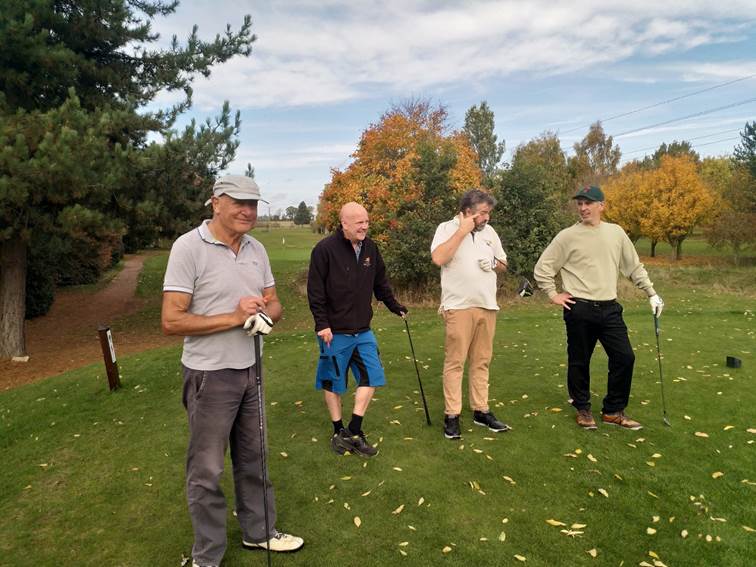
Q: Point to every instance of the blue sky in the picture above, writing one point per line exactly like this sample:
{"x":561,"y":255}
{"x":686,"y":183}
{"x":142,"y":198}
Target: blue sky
{"x":323,"y":71}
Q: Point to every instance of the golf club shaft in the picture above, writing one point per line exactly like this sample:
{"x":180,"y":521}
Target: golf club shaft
{"x":417,"y":371}
{"x":261,"y":422}
{"x":658,"y":357}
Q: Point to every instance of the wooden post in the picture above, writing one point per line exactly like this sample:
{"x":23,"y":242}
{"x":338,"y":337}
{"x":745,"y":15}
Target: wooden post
{"x":108,"y":353}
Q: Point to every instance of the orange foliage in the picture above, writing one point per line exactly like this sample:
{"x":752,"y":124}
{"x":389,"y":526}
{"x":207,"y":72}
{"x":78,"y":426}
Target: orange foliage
{"x":382,"y":175}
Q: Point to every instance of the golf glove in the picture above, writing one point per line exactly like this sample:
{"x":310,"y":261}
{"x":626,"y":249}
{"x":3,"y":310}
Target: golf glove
{"x":657,"y":304}
{"x":486,"y":264}
{"x":260,"y":324}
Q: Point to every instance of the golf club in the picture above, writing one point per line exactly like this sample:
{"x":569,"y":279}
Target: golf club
{"x":417,"y":370}
{"x":525,"y":289}
{"x":261,"y":421}
{"x":661,"y":380}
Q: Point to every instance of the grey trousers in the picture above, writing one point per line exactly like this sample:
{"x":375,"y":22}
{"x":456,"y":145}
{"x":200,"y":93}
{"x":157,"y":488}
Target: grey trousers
{"x":222,"y":407}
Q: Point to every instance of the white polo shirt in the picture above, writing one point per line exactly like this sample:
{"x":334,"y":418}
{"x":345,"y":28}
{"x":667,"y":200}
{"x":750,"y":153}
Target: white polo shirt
{"x":217,"y":279}
{"x":463,"y":283}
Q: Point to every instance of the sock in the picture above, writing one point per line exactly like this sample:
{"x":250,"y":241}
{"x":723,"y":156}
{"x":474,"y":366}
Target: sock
{"x":337,"y":426}
{"x":355,"y":425}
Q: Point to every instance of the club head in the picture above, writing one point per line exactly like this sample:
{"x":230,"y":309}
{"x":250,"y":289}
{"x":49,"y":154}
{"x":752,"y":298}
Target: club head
{"x":525,"y":289}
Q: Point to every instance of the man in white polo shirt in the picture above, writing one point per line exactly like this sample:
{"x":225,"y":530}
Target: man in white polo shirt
{"x":217,"y":278}
{"x":470,"y":254}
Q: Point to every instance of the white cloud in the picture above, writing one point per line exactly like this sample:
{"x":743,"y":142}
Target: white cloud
{"x":313,"y":53}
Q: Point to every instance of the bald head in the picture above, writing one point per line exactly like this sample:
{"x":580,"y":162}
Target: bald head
{"x":354,"y":222}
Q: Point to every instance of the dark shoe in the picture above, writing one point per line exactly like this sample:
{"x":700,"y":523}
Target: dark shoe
{"x":355,"y":443}
{"x":488,"y":419}
{"x":338,"y":449}
{"x":585,"y":419}
{"x":280,"y":542}
{"x":451,"y":427}
{"x":621,"y":419}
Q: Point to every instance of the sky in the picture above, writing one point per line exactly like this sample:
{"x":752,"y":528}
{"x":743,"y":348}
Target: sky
{"x":323,"y":71}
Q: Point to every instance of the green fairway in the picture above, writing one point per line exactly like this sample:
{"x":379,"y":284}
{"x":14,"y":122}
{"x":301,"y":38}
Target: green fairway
{"x":93,"y":478}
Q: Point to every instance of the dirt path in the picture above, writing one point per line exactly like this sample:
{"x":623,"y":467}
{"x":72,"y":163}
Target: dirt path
{"x":66,"y":338}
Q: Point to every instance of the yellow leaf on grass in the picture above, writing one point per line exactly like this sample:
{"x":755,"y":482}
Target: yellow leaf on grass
{"x":571,"y":533}
{"x":502,"y":536}
{"x":284,"y":454}
{"x":656,"y":456}
{"x":398,"y":510}
{"x":728,"y":427}
{"x":346,"y":478}
{"x":366,"y":493}
{"x":655,"y":519}
{"x":701,"y":434}
{"x":603,"y":492}
{"x":404,"y":553}
{"x":508,"y":479}
{"x":751,"y":430}
{"x":420,"y":502}
{"x":748,"y":529}
{"x":556,"y":410}
{"x":650,"y":531}
{"x":592,"y":458}
{"x":717,"y":474}
{"x":398,"y":469}
{"x":684,"y":534}
{"x":404,"y":544}
{"x":520,"y":558}
{"x":578,"y":526}
{"x":357,"y":521}
{"x":555,"y":522}
{"x":446,"y":549}
{"x":592,"y":552}
{"x":653,"y":554}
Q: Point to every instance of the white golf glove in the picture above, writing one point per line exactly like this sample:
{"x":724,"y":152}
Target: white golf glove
{"x":260,"y":324}
{"x":486,"y":264}
{"x":657,"y":305}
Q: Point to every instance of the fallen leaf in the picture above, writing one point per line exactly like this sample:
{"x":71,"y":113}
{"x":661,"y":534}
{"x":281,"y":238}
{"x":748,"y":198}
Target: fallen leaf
{"x":578,"y":526}
{"x":346,"y":478}
{"x":656,"y":456}
{"x":502,"y":536}
{"x":398,"y":510}
{"x":603,"y":492}
{"x":653,"y":554}
{"x":728,"y":427}
{"x":684,"y":534}
{"x":284,"y":454}
{"x":556,"y":410}
{"x":366,"y":493}
{"x":701,"y":434}
{"x":398,"y":469}
{"x":751,"y":430}
{"x":592,"y":458}
{"x":404,"y":553}
{"x":748,"y":529}
{"x":420,"y":502}
{"x":520,"y":558}
{"x":404,"y":544}
{"x":655,"y":519}
{"x":592,"y":552}
{"x":651,"y":463}
{"x":717,"y":474}
{"x":446,"y":549}
{"x":650,"y":531}
{"x":555,"y":523}
{"x":357,"y":521}
{"x":571,"y":533}
{"x":508,"y":479}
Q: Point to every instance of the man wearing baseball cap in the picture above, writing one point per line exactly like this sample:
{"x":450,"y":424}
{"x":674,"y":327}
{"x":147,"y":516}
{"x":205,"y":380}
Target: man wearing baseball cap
{"x":589,"y":256}
{"x":218,"y":284}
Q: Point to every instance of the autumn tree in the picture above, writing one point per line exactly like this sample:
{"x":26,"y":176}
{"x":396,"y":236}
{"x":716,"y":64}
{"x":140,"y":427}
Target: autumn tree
{"x":596,"y":157}
{"x":479,"y":127}
{"x":74,"y":83}
{"x":628,"y":199}
{"x":680,"y":201}
{"x":387,"y":173}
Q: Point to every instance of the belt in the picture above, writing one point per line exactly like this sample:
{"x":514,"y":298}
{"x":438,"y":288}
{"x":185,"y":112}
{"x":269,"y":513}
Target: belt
{"x":595,"y":301}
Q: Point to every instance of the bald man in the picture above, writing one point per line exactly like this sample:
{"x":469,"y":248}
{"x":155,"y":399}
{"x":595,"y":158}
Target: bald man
{"x":346,"y":269}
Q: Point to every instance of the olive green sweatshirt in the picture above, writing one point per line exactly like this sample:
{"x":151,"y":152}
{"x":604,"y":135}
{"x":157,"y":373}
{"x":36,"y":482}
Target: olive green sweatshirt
{"x":590,"y":260}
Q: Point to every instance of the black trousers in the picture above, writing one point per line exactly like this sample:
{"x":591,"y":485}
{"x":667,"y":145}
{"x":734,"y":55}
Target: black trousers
{"x":588,"y":322}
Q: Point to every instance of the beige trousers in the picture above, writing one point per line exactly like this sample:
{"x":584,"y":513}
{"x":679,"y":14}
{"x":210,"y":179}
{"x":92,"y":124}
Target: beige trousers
{"x":469,"y":337}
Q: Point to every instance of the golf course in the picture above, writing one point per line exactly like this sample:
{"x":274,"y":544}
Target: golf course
{"x":90,"y":477}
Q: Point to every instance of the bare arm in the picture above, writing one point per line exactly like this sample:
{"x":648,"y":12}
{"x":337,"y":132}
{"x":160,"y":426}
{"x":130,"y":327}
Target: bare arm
{"x":177,"y":320}
{"x":443,"y":253}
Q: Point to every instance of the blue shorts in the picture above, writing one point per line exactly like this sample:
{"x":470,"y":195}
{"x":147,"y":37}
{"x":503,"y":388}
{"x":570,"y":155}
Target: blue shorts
{"x":356,"y":351}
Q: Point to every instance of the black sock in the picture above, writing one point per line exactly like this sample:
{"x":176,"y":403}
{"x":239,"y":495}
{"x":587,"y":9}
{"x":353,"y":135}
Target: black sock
{"x":355,"y":426}
{"x":337,"y":426}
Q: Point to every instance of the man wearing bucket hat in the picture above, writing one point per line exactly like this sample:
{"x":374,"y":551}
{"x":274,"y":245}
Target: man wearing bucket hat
{"x":589,"y":256}
{"x":218,"y":279}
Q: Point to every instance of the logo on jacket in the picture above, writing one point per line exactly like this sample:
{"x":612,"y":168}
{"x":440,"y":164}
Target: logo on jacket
{"x":366,"y":262}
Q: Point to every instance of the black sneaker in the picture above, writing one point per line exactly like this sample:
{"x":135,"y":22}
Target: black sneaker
{"x":354,"y":443}
{"x":451,"y":427}
{"x":338,"y":449}
{"x":488,"y":419}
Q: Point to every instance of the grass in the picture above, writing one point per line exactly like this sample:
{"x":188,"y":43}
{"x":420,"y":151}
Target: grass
{"x":97,"y":479}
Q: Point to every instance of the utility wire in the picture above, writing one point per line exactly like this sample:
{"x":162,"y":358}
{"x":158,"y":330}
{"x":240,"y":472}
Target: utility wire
{"x":689,"y":116}
{"x":628,"y":113}
{"x":683,"y":140}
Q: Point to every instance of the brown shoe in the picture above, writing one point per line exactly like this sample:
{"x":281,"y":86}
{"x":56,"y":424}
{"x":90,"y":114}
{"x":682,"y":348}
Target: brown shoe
{"x":621,"y":419}
{"x":585,"y":419}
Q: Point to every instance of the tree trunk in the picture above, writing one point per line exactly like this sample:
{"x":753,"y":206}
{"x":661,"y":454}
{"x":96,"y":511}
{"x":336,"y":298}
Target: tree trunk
{"x":678,"y":249}
{"x":12,"y":297}
{"x":653,"y":248}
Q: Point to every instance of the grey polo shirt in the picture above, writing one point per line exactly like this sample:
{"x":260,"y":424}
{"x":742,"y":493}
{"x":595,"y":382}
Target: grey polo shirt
{"x":217,"y":279}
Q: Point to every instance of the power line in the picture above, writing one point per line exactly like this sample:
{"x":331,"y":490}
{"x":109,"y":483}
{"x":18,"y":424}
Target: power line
{"x":635,"y":111}
{"x":684,"y":140}
{"x":717,"y":141}
{"x":688,"y":117}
